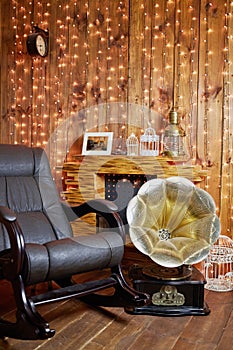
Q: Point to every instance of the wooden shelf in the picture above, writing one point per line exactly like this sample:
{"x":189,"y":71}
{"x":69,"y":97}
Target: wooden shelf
{"x":84,"y":177}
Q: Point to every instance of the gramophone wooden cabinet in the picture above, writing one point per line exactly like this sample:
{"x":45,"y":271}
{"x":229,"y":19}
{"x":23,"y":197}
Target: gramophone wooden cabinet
{"x":170,"y":297}
{"x":182,"y":296}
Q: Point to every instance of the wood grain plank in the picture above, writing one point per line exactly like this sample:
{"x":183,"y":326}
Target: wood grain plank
{"x":135,"y":55}
{"x":188,"y":68}
{"x":216,"y":15}
{"x":163,"y":334}
{"x":206,"y":332}
{"x":226,"y":340}
{"x":227,"y":134}
{"x":210,"y":98}
{"x":5,"y":48}
{"x":122,"y":332}
{"x":61,"y":317}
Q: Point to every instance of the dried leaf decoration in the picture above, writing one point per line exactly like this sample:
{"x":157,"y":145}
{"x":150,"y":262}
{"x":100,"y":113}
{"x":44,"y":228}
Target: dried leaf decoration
{"x":173,"y":221}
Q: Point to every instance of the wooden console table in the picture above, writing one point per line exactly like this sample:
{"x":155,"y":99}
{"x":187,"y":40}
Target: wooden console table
{"x":83,"y":178}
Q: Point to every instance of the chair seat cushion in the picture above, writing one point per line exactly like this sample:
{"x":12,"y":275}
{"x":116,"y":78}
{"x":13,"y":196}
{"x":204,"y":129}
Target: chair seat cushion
{"x":68,"y":256}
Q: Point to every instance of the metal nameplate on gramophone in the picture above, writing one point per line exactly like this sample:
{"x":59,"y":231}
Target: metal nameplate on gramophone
{"x":174,"y":223}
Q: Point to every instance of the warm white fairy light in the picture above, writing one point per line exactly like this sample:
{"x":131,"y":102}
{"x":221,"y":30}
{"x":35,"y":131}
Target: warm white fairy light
{"x":227,"y":132}
{"x":192,"y":84}
{"x":206,"y":93}
{"x":177,"y":56}
{"x":164,"y":54}
{"x":83,"y":34}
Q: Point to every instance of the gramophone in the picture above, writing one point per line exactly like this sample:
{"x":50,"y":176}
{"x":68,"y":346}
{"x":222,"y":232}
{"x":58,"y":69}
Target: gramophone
{"x":175,"y":224}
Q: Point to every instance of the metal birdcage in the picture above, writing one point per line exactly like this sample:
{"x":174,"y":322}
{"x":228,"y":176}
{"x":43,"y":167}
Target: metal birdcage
{"x":132,"y":145}
{"x":219,"y":265}
{"x":149,"y":143}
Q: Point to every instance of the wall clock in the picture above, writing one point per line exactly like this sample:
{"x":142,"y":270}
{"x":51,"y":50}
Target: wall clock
{"x":37,"y":42}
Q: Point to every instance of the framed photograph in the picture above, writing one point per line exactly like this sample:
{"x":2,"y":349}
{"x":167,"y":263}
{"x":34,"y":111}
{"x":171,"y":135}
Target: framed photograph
{"x":97,"y":143}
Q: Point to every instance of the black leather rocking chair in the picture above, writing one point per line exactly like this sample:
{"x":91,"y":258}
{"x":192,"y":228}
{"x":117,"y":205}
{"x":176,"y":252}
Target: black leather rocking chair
{"x":37,"y":244}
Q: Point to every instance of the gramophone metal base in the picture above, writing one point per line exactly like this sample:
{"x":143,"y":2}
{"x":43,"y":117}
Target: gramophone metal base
{"x":170,"y":297}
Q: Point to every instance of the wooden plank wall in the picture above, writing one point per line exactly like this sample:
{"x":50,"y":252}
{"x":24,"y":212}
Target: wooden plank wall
{"x":117,"y":65}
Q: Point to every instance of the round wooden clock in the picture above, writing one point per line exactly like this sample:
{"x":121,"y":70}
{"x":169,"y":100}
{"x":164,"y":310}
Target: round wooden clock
{"x":37,"y":44}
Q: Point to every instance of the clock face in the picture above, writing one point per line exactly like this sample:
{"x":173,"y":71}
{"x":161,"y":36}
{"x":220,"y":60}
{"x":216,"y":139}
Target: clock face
{"x":41,"y":45}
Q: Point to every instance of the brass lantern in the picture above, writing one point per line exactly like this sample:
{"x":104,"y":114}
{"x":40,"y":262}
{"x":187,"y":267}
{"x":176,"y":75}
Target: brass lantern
{"x":174,"y":138}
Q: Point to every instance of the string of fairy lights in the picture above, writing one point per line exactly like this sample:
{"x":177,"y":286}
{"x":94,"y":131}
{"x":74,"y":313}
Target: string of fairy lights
{"x":88,"y":64}
{"x":27,"y":112}
{"x":165,"y":65}
{"x":177,"y":57}
{"x":207,"y":88}
{"x":192,"y":83}
{"x":227,"y":136}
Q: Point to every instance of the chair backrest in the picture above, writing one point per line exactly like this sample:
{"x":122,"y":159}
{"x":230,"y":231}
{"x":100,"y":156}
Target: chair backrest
{"x":27,"y":187}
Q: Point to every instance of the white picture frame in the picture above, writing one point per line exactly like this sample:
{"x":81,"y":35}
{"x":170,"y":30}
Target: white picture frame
{"x":97,"y":143}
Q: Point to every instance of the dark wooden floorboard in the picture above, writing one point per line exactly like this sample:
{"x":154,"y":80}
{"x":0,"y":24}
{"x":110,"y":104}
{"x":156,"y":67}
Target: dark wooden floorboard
{"x":226,"y":341}
{"x":79,"y":326}
{"x":206,"y":332}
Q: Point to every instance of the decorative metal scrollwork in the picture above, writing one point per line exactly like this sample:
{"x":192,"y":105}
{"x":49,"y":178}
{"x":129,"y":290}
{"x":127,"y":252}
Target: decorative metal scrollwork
{"x":168,"y":296}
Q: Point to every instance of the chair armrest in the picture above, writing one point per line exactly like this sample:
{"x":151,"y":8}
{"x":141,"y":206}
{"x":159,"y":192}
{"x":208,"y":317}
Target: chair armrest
{"x":7,"y":214}
{"x":17,"y":250}
{"x":104,"y":208}
{"x":96,"y":206}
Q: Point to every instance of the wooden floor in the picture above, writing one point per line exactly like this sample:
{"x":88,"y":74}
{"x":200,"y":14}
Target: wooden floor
{"x":79,"y":326}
